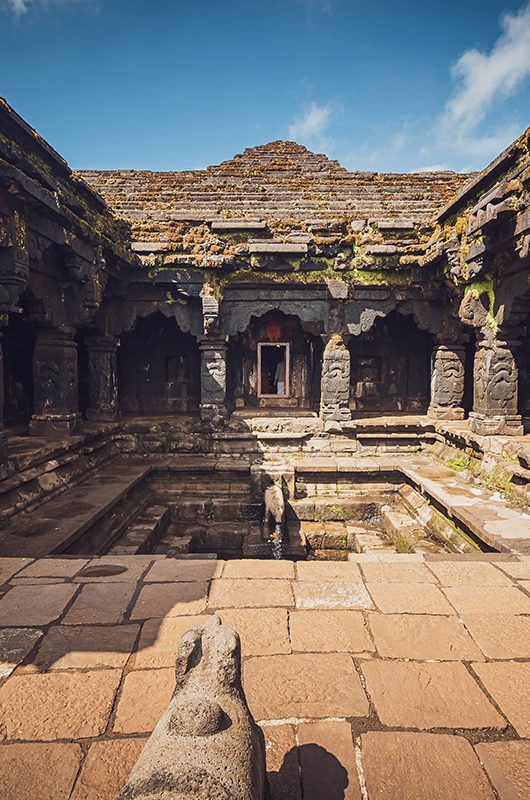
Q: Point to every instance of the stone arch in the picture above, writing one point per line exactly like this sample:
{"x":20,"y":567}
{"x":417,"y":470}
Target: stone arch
{"x":158,"y":368}
{"x":122,"y":316}
{"x":312,"y":312}
{"x":361,"y":313}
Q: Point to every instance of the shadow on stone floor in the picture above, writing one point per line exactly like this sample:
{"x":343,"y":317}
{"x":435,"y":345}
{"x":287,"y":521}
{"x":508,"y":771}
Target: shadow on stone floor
{"x":311,"y":772}
{"x":89,"y":619}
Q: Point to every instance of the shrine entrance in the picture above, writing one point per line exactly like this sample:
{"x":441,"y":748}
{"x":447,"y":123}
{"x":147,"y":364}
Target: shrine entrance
{"x":273,"y":369}
{"x":275,"y":363}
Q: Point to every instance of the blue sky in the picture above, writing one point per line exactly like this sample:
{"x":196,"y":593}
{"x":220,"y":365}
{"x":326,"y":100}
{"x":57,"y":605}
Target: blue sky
{"x":390,"y":86}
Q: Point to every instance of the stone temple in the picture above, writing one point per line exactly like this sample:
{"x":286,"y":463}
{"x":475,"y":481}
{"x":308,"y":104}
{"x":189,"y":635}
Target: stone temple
{"x":290,"y":395}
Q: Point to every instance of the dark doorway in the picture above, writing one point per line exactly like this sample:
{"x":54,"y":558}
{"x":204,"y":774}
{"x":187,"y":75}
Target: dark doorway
{"x":273,"y":369}
{"x":390,"y":367}
{"x":18,"y":344}
{"x":159,"y":369}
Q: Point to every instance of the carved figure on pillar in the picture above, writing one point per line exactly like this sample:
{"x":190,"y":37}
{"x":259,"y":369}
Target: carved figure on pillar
{"x":495,"y":388}
{"x":102,"y":383}
{"x":213,"y":379}
{"x":447,"y":381}
{"x":55,"y":389}
{"x":335,"y":382}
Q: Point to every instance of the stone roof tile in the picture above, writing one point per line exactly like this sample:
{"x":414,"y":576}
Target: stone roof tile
{"x":278,"y":181}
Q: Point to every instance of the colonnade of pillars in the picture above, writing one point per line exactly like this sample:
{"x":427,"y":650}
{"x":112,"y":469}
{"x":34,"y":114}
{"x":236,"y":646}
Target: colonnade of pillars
{"x":56,"y":405}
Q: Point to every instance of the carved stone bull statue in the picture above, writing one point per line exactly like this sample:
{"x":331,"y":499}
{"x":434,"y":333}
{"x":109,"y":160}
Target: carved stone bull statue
{"x":206,"y":745}
{"x":274,"y":514}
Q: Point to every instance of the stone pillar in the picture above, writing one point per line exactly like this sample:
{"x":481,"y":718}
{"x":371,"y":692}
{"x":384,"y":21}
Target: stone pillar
{"x":213,"y":379}
{"x":3,"y":441}
{"x":495,"y":388}
{"x":55,"y":389}
{"x":447,"y":381}
{"x":102,"y":381}
{"x":335,"y":381}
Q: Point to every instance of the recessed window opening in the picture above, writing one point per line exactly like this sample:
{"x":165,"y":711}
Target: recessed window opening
{"x":273,"y":369}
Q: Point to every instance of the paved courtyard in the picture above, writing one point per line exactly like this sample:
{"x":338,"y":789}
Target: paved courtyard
{"x":382,"y":677}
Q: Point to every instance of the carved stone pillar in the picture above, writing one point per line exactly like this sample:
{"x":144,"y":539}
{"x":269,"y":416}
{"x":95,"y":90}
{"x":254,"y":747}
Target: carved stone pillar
{"x":55,"y":390}
{"x":495,"y":388}
{"x":213,"y":379}
{"x":447,"y":381}
{"x":3,"y":441}
{"x":335,"y":382}
{"x":102,"y":382}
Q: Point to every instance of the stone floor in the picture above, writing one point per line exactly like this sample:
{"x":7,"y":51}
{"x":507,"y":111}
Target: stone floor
{"x":386,"y":676}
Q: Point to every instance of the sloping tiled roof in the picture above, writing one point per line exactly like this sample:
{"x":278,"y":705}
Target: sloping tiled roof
{"x":279,"y":181}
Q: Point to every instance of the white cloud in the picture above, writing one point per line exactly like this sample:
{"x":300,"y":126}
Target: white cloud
{"x":322,"y":6}
{"x":311,"y":126}
{"x":17,"y":7}
{"x":20,"y":7}
{"x":431,"y":168}
{"x":313,"y":122}
{"x":483,"y":79}
{"x":399,"y":141}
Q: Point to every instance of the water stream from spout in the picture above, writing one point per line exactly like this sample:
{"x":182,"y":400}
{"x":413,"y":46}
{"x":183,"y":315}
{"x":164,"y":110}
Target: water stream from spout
{"x":277,"y":542}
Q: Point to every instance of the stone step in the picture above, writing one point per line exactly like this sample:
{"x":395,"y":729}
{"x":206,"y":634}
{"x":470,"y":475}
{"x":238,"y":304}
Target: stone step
{"x":333,"y":508}
{"x":293,"y":546}
{"x":85,"y":518}
{"x":143,"y":534}
{"x":215,"y":510}
{"x":368,"y":542}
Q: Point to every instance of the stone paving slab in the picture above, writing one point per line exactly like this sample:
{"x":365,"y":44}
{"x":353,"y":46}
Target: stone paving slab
{"x":106,"y":768}
{"x":402,"y":676}
{"x":508,"y":767}
{"x":423,"y":766}
{"x":422,"y":637}
{"x":428,"y":696}
{"x":38,"y":770}
{"x":508,"y":684}
{"x":409,"y":598}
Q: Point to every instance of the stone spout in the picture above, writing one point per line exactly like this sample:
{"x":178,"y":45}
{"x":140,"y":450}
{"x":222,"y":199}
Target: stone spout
{"x":206,"y":745}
